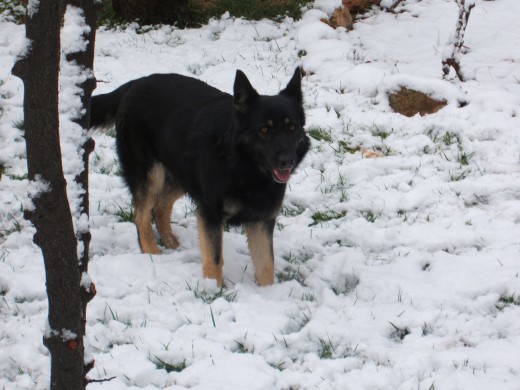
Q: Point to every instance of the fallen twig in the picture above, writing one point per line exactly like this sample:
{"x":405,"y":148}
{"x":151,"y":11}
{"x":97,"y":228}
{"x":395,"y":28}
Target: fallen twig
{"x":100,"y":380}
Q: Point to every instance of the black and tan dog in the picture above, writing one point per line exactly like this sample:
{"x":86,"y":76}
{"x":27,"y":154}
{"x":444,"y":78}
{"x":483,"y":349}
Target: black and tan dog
{"x":233,"y":155}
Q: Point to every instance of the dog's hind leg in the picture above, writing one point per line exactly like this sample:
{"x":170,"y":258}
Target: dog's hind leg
{"x":163,"y":211}
{"x":145,"y":198}
{"x":211,"y":248}
{"x":260,"y":242}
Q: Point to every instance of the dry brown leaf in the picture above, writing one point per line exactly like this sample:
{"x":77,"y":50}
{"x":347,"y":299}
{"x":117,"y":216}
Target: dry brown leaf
{"x":371,"y":153}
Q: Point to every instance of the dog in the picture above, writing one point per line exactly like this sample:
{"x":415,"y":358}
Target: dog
{"x":231,"y":154}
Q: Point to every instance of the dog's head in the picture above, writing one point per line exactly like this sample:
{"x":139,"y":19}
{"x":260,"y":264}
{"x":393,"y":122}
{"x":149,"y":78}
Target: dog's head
{"x":270,"y":128}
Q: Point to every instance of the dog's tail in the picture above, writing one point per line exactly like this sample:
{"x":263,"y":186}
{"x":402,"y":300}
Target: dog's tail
{"x":103,"y":108}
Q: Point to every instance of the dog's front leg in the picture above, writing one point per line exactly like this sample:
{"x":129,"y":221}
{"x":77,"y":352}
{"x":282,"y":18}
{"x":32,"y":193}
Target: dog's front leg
{"x":210,"y":233}
{"x":260,"y":242}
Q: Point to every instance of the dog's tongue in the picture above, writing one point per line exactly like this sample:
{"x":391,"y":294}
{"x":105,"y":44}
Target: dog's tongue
{"x":283,"y":175}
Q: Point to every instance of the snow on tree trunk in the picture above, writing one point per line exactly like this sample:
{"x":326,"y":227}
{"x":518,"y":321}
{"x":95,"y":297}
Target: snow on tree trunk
{"x":76,"y":85}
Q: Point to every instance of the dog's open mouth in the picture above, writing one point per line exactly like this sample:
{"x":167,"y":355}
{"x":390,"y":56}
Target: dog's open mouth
{"x":282,"y":175}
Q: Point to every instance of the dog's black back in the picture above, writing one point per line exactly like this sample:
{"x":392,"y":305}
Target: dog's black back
{"x":233,"y":155}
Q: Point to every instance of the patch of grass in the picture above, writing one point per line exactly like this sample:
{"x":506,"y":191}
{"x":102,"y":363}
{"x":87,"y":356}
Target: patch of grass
{"x":426,"y":267}
{"x":291,"y":210}
{"x":242,"y":347}
{"x":347,"y":286}
{"x":104,"y":166}
{"x":329,"y":349}
{"x":119,"y":171}
{"x":115,"y":317}
{"x":464,"y":158}
{"x":291,"y":273}
{"x":348,"y":149}
{"x":399,"y":333}
{"x":298,"y":257}
{"x":4,"y":95}
{"x":357,"y":56}
{"x":290,"y":258}
{"x":16,"y":227}
{"x":383,"y":134}
{"x":326,"y":216}
{"x":209,"y":297}
{"x":450,"y":138}
{"x":111,"y":132}
{"x":25,"y":176}
{"x":3,"y":291}
{"x":108,"y":17}
{"x":203,"y":10}
{"x":169,"y":367}
{"x":369,"y":215}
{"x":459,"y":176}
{"x":403,"y":214}
{"x":507,"y":300}
{"x":477,"y":200}
{"x":309,"y":297}
{"x":278,"y":366}
{"x":339,"y":187}
{"x":13,"y":11}
{"x":427,"y":329}
{"x":326,"y":348}
{"x":320,"y":134}
{"x":125,"y":215}
{"x":109,"y":315}
{"x":304,"y":320}
{"x":337,"y":110}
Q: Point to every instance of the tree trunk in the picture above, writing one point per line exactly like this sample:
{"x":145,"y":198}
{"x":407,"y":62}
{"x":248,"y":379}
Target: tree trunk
{"x":50,"y":213}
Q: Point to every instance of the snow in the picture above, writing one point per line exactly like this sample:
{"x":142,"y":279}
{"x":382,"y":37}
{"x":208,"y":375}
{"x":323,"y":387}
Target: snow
{"x":65,"y":334}
{"x":35,"y":189}
{"x":74,"y":27}
{"x":327,"y":6}
{"x":73,"y":137}
{"x":395,"y":272}
{"x":32,"y":7}
{"x":86,"y":281}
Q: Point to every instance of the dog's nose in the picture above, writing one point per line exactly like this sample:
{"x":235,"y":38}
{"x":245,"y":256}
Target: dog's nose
{"x":286,"y":161}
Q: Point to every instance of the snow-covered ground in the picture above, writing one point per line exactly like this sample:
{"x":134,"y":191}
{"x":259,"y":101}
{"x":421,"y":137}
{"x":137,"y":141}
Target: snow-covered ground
{"x":396,"y":272}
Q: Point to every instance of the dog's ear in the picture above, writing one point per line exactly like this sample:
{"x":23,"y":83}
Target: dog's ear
{"x":244,"y":93}
{"x":294,"y":88}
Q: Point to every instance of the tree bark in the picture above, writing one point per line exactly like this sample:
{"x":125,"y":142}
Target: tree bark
{"x":50,"y":212}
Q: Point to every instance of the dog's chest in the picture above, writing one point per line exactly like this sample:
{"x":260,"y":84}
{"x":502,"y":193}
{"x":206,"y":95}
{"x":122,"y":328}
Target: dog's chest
{"x":252,"y":207}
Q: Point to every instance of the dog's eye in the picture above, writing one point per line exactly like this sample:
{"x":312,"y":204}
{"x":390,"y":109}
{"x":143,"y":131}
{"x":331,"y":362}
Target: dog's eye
{"x":292,"y":127}
{"x":264,"y":130}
